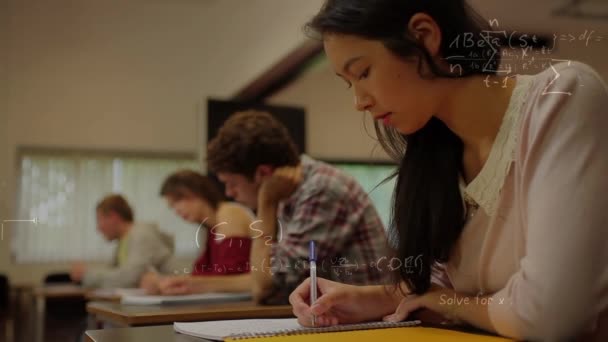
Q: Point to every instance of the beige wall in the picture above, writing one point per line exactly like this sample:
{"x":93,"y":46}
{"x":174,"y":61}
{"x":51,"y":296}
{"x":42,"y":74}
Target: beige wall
{"x":129,"y":75}
{"x":5,"y":198}
{"x":125,"y":75}
{"x":335,"y":129}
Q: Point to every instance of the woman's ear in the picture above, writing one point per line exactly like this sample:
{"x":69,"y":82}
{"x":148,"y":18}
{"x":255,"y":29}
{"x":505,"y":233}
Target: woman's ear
{"x":426,"y":31}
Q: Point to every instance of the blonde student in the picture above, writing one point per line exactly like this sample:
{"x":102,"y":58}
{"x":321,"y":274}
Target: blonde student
{"x":139,"y":246}
{"x":500,"y":192}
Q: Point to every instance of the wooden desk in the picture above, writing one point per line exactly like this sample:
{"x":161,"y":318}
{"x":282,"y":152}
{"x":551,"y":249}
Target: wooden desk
{"x":59,"y":291}
{"x":137,"y":315}
{"x":18,"y":287}
{"x":75,"y":291}
{"x":103,"y":296}
{"x":162,"y":333}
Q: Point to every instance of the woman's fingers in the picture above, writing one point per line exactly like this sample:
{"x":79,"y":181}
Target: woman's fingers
{"x":405,"y":308}
{"x":165,"y":283}
{"x":321,"y":309}
{"x":304,"y":321}
{"x":326,"y":302}
{"x":302,"y":310}
{"x":301,"y":294}
{"x":320,"y":321}
{"x":326,"y":320}
{"x":176,"y":289}
{"x":173,"y":286}
{"x":299,"y":302}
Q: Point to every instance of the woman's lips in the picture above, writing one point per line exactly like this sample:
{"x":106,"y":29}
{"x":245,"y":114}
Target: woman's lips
{"x":385,"y":118}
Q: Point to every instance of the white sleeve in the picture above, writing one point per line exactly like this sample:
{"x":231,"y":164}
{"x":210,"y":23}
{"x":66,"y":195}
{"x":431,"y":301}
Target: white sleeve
{"x":562,"y":284}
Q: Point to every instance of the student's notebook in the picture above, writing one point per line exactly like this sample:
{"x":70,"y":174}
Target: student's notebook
{"x":410,"y":334}
{"x":254,"y":328}
{"x":184,"y":299}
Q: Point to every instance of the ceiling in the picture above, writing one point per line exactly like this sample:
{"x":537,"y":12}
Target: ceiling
{"x":539,"y":16}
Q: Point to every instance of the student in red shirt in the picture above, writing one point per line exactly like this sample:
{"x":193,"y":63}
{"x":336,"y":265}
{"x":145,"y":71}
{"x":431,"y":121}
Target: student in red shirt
{"x":223,"y":265}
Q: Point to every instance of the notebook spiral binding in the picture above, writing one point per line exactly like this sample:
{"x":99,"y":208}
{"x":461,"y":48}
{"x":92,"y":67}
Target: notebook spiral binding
{"x":341,"y":328}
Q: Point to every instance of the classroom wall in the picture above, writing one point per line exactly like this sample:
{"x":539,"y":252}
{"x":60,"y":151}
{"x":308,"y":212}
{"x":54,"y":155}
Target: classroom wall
{"x":129,"y":75}
{"x":125,"y":75}
{"x":336,"y":130}
{"x":4,"y":196}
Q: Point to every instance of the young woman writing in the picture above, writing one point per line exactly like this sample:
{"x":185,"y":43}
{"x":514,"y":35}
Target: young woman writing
{"x":499,"y":189}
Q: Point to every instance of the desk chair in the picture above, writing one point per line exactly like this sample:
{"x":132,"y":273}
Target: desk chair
{"x":6,"y":310}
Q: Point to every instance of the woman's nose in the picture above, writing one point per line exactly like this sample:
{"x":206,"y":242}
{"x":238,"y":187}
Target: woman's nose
{"x":363,"y":102}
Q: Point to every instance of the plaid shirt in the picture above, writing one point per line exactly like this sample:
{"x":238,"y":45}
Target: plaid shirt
{"x":332,"y":209}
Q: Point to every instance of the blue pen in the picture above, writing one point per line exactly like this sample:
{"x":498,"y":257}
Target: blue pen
{"x":313,"y":277}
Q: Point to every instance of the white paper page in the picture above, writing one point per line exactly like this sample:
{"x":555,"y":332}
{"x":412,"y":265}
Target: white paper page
{"x":205,"y":297}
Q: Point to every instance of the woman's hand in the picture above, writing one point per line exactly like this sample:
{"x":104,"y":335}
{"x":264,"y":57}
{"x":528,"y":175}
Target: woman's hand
{"x":426,"y":307}
{"x":77,"y":272}
{"x":407,"y":307}
{"x":340,"y":304}
{"x":177,"y":285}
{"x":150,"y":282}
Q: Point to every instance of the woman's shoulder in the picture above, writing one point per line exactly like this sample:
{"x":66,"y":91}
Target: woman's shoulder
{"x":235,"y":219}
{"x":565,"y":105}
{"x":567,"y":94}
{"x":235,"y":209}
{"x":569,"y":79}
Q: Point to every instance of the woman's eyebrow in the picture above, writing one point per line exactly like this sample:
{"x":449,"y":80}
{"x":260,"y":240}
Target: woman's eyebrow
{"x":349,"y":63}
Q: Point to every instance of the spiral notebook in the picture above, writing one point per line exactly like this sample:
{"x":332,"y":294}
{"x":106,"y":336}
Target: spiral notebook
{"x":254,"y":328}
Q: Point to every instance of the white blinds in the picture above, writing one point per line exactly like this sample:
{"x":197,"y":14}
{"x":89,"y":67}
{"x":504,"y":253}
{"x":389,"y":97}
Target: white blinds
{"x":60,"y":191}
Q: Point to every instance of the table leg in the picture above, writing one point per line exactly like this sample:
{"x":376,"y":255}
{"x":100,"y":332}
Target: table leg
{"x":40,"y":308}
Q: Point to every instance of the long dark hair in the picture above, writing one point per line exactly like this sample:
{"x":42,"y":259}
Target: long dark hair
{"x":427,"y":216}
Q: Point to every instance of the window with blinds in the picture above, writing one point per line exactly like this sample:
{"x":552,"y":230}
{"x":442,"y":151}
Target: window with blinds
{"x":58,"y":192}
